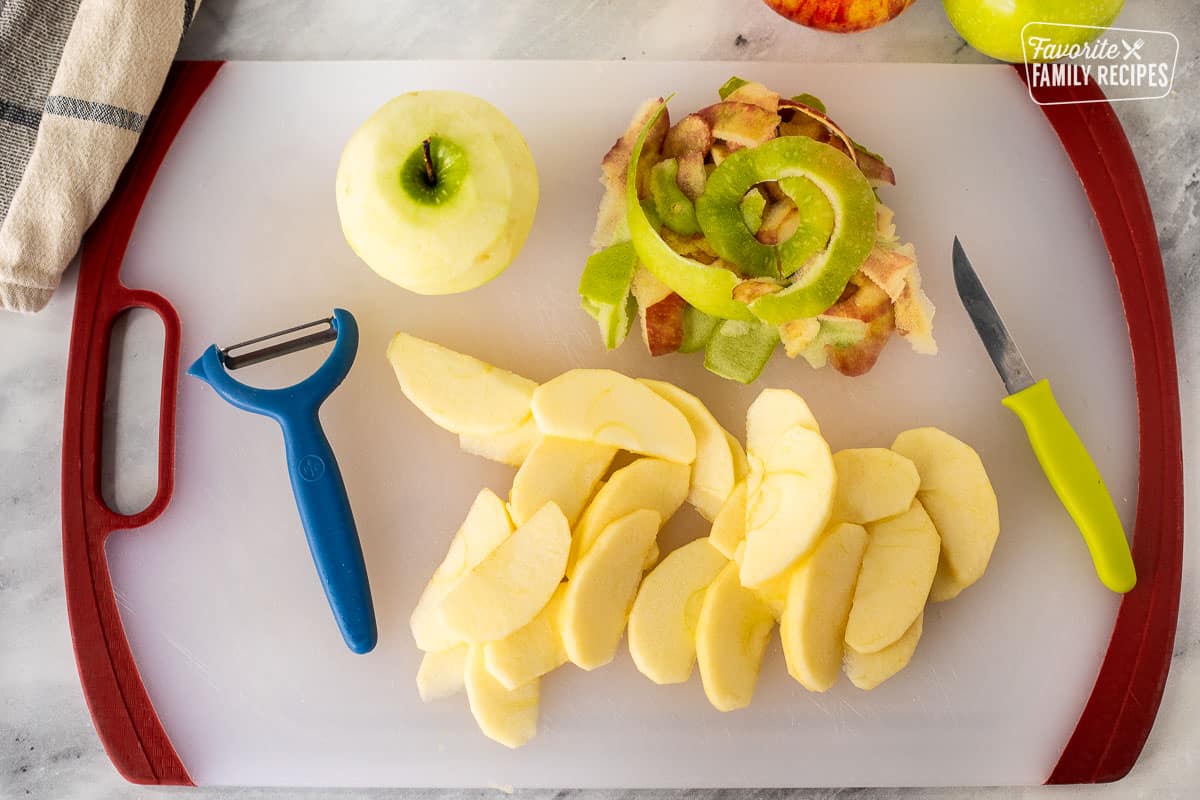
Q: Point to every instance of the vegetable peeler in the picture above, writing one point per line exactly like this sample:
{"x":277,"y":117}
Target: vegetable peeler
{"x":316,"y":480}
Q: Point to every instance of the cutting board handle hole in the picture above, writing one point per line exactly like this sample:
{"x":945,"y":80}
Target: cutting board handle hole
{"x":130,"y":431}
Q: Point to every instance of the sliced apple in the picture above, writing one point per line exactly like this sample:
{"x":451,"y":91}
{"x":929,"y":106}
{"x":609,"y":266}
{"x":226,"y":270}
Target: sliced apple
{"x":774,"y":591}
{"x":505,"y":590}
{"x":608,"y":408}
{"x":741,"y":467}
{"x":509,"y":447}
{"x":773,"y":413}
{"x":563,"y":471}
{"x":729,"y":528}
{"x":803,"y":452}
{"x":459,"y":393}
{"x":485,"y":527}
{"x":956,"y":492}
{"x":813,"y":627}
{"x":713,"y":469}
{"x":872,"y":483}
{"x":662,"y":624}
{"x":790,"y":509}
{"x":530,"y":652}
{"x":441,"y":673}
{"x":893,"y":585}
{"x":868,"y":670}
{"x":652,"y":483}
{"x":731,"y":637}
{"x":508,"y":716}
{"x":597,"y":600}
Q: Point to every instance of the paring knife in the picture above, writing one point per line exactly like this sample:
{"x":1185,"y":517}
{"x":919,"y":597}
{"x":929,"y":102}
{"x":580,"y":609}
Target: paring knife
{"x":1058,"y":448}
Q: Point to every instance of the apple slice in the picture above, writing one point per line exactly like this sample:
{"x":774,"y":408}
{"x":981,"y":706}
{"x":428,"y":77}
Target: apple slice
{"x":651,"y":483}
{"x":662,"y":624}
{"x":459,"y":393}
{"x":784,"y":520}
{"x":872,"y":483}
{"x":813,"y":627}
{"x":774,"y":591}
{"x":804,"y":452}
{"x":508,"y":716}
{"x":773,"y":413}
{"x":563,"y":471}
{"x":893,"y":585}
{"x":729,"y":528}
{"x":485,"y":527}
{"x":713,"y":469}
{"x":441,"y":673}
{"x":505,"y":590}
{"x":956,"y":492}
{"x":608,"y":408}
{"x":437,"y":191}
{"x":741,"y":467}
{"x":596,"y":604}
{"x":510,"y":447}
{"x":868,"y":670}
{"x":529,"y":653}
{"x":790,"y":508}
{"x":731,"y":637}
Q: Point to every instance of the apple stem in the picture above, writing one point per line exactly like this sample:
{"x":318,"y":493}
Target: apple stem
{"x":430,"y":175}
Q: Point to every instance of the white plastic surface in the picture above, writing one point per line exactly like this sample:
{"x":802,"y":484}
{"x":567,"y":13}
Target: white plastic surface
{"x":219,"y":597}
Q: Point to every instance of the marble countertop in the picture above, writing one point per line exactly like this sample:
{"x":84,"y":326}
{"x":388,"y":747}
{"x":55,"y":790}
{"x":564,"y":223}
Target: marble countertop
{"x":48,"y":749}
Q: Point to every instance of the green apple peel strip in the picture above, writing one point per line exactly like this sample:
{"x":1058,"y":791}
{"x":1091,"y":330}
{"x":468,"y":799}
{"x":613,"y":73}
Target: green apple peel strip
{"x":709,"y":289}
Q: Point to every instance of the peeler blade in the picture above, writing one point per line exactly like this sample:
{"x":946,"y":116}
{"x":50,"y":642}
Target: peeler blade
{"x":278,"y":349}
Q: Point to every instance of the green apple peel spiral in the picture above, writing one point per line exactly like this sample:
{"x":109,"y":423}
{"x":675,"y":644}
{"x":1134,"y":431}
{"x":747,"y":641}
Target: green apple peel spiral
{"x":835,"y":235}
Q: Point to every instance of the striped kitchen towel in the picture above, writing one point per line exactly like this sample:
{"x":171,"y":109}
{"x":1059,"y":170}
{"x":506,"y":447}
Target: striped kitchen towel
{"x":77,"y":80}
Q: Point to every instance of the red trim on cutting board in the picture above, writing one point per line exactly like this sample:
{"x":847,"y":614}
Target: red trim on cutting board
{"x":121,"y":711}
{"x":1121,"y":709}
{"x":1120,"y":712}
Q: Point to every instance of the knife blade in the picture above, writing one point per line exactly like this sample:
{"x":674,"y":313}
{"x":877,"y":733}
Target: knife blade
{"x":1063,"y":457}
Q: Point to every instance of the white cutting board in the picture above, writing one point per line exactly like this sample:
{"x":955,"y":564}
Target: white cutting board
{"x":224,"y":612}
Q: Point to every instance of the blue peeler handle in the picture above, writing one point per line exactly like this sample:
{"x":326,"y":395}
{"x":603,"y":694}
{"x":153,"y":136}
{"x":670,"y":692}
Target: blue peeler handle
{"x":316,"y":479}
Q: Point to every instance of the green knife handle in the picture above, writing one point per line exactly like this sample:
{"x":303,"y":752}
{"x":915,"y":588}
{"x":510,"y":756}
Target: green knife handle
{"x":1077,"y":483}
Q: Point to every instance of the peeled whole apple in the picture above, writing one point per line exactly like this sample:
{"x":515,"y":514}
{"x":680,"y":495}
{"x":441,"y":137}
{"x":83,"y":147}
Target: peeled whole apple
{"x":437,"y":191}
{"x":994,"y":29}
{"x":839,"y":16}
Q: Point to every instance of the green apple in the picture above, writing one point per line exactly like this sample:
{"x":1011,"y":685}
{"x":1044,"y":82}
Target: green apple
{"x":828,"y":256}
{"x":994,"y":28}
{"x":437,"y":191}
{"x":604,"y":291}
{"x":708,"y":288}
{"x":672,"y":205}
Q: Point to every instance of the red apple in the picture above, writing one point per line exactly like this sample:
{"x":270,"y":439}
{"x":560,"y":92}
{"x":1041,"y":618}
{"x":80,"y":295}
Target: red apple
{"x":839,"y":16}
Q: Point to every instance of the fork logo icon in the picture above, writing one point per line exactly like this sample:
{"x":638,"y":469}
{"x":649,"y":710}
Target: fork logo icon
{"x":1132,"y":49}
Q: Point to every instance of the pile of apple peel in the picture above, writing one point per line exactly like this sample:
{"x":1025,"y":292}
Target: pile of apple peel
{"x":841,"y":550}
{"x":748,"y":223}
